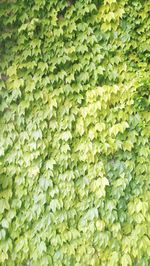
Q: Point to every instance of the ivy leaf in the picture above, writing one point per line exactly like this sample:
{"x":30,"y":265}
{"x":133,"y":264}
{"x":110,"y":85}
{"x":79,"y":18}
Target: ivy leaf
{"x":54,"y":204}
{"x":4,"y":205}
{"x":126,"y":260}
{"x":4,"y":223}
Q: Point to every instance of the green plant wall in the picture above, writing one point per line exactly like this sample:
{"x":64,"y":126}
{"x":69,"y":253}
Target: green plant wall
{"x":74,"y":133}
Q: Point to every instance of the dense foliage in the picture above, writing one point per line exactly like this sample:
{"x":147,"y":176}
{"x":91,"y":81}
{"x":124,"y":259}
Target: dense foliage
{"x":74,"y":138}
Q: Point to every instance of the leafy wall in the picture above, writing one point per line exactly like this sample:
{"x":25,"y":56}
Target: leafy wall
{"x":74,"y":138}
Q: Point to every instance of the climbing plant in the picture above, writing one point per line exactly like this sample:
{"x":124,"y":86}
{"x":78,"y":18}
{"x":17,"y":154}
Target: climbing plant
{"x":74,"y":133}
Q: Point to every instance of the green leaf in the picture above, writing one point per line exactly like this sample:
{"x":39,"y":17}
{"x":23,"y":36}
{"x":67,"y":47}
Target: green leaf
{"x":126,"y":260}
